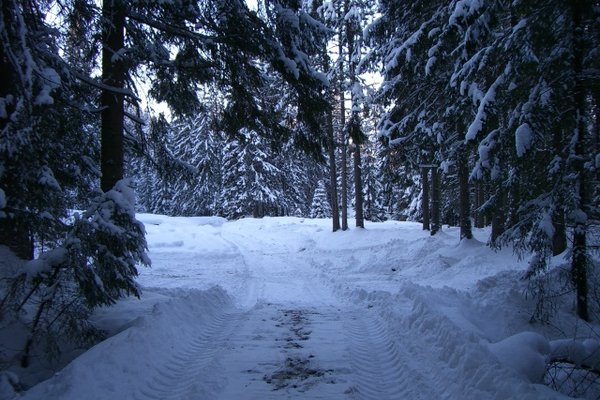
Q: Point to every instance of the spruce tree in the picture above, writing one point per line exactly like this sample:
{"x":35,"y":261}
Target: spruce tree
{"x":320,"y":207}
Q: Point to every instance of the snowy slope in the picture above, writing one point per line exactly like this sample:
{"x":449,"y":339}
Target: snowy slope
{"x":283,"y":308}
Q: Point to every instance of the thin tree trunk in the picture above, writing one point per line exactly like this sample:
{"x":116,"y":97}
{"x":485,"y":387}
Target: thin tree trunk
{"x":515,"y":200}
{"x":360,"y":220}
{"x":559,"y":240}
{"x":333,"y":184}
{"x":113,"y":75}
{"x":335,"y":212}
{"x":597,"y":118}
{"x":344,"y":146}
{"x":579,"y":261}
{"x":480,"y":200}
{"x":464,"y":196}
{"x":425,"y":197}
{"x":435,"y":201}
{"x":31,"y":337}
{"x":498,"y":218}
{"x":355,"y":131}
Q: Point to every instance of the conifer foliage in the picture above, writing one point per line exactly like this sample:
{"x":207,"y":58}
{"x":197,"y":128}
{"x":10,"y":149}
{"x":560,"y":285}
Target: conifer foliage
{"x":499,"y":95}
{"x":66,"y":133}
{"x":497,"y":99}
{"x":320,"y":207}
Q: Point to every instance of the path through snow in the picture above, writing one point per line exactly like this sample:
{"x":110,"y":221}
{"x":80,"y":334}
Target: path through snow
{"x":303,"y":313}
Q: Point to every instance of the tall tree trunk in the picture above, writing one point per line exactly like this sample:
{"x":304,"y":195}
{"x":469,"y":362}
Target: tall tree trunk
{"x":355,"y":131}
{"x":479,"y":201}
{"x":343,"y":139}
{"x":335,"y":212}
{"x":597,"y":118}
{"x":559,"y":240}
{"x":358,"y":205}
{"x":425,"y":197}
{"x":333,"y":184}
{"x":113,"y":76}
{"x":579,"y":261}
{"x":498,"y":217}
{"x":464,"y":196}
{"x":435,"y":201}
{"x":515,"y":200}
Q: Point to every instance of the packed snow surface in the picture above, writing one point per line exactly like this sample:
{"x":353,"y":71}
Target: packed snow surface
{"x":282,"y":308}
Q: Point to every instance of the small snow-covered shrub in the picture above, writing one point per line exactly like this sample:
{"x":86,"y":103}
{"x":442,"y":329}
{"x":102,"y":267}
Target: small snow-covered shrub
{"x":95,"y":264}
{"x":574,"y":368}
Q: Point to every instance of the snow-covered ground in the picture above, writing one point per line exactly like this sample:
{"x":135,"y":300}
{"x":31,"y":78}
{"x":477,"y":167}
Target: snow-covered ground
{"x":279,"y":308}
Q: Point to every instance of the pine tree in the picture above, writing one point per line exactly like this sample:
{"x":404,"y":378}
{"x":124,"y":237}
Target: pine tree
{"x":251,"y":184}
{"x":373,"y":187}
{"x":487,"y":71}
{"x":199,"y":146}
{"x":52,"y":103}
{"x":320,"y":207}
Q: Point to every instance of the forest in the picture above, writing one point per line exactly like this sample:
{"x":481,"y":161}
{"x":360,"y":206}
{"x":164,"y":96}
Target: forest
{"x":459,"y":113}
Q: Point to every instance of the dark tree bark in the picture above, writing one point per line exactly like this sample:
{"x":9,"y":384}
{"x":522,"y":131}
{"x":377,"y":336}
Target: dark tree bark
{"x":113,"y":77}
{"x":597,"y":118}
{"x":14,"y":234}
{"x":333,"y":184}
{"x":435,"y":201}
{"x":355,"y":132}
{"x":514,"y":201}
{"x":498,"y":218}
{"x":425,"y":197}
{"x":464,"y":199}
{"x":358,"y":201}
{"x":479,"y":201}
{"x":579,"y":261}
{"x":344,"y":150}
{"x":559,"y":241}
{"x":335,"y":212}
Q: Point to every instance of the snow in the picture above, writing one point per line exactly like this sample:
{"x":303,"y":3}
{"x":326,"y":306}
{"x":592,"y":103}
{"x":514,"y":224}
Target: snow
{"x":50,"y":81}
{"x":546,"y":225}
{"x":488,"y":99}
{"x":284,"y":308}
{"x":524,"y":352}
{"x":289,"y":64}
{"x":523,"y":139}
{"x":464,"y":9}
{"x":45,"y":262}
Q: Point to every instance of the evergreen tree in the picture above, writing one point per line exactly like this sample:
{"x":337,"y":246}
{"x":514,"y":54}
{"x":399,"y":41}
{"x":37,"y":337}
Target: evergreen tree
{"x":372,"y":185}
{"x":199,"y":146}
{"x":52,"y":152}
{"x":472,"y":86}
{"x":251,"y":184}
{"x":320,"y":207}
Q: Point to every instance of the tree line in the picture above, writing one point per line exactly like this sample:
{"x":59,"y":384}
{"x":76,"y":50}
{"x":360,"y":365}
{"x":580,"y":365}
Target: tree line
{"x":488,"y":112}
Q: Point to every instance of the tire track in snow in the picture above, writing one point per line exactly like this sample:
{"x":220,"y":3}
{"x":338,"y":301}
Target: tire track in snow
{"x":251,"y":287}
{"x":183,"y":375}
{"x":382,"y":369}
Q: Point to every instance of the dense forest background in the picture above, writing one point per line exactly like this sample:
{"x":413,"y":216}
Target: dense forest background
{"x":488,"y":113}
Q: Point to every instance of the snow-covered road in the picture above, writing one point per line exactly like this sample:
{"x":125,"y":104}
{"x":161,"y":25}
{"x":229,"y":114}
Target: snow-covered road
{"x":289,"y":336}
{"x":282,"y":308}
